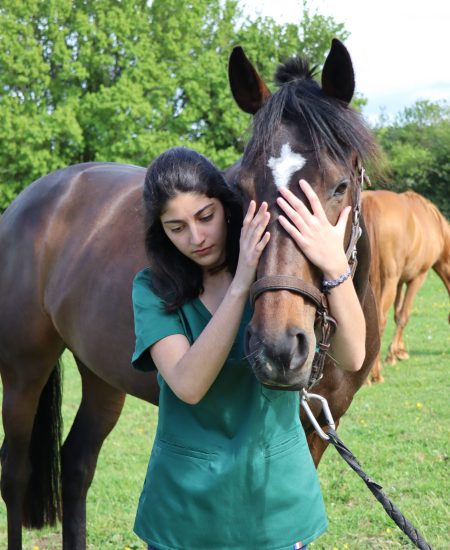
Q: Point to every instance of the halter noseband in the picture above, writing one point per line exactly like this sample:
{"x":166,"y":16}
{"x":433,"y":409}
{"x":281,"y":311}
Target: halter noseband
{"x":325,"y":321}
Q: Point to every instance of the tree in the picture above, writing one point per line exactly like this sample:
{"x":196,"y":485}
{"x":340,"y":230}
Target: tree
{"x":417,"y":145}
{"x":92,"y":80}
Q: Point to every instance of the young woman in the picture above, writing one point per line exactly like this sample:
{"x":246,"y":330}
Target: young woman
{"x":230,"y":468}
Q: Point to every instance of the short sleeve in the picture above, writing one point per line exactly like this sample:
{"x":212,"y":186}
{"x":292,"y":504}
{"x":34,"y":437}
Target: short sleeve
{"x":151,"y":321}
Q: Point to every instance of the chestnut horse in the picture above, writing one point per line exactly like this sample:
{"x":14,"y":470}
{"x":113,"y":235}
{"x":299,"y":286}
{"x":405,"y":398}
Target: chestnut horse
{"x":70,"y":245}
{"x":409,"y":236}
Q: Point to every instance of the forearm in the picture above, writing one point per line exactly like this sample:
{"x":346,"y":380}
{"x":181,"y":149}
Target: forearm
{"x":192,"y":376}
{"x":348,"y":345}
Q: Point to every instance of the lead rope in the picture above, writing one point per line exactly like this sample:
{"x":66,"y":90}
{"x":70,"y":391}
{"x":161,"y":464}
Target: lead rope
{"x":376,"y":489}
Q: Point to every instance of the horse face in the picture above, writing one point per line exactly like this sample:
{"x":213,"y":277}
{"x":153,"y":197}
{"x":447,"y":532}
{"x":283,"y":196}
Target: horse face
{"x":281,"y":337}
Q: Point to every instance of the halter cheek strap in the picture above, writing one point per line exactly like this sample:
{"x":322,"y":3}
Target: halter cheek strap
{"x":324,"y":321}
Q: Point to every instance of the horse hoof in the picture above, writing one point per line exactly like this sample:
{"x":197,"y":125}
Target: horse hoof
{"x":402,"y":355}
{"x":390,"y":359}
{"x":377,"y":380}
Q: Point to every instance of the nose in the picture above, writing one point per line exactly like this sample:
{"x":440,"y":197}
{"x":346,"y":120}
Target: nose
{"x":197,"y":236}
{"x":278,"y":359}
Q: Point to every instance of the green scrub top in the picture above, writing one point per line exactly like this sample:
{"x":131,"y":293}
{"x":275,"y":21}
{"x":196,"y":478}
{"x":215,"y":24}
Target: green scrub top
{"x":234,"y":471}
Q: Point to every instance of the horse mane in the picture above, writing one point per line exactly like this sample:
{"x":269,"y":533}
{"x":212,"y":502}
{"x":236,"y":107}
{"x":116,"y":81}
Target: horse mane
{"x":333,"y":126}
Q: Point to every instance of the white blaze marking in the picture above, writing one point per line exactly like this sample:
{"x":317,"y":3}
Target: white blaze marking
{"x":285,"y":165}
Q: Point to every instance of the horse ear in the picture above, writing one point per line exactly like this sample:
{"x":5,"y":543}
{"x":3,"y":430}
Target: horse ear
{"x":338,"y":78}
{"x":247,"y":87}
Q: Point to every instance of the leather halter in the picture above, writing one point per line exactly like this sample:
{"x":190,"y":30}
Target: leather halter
{"x":324,"y":320}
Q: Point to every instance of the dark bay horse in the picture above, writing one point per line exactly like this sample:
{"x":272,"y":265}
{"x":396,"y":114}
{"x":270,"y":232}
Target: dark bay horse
{"x":409,"y":236}
{"x":303,"y":131}
{"x":70,"y":245}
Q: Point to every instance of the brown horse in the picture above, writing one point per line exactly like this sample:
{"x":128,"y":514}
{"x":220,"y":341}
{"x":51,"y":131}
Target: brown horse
{"x":409,"y":236}
{"x":70,"y":245}
{"x":303,"y":131}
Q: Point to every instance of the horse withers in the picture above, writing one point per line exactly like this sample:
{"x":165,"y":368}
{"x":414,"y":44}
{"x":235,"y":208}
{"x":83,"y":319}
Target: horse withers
{"x":70,"y":245}
{"x":409,"y":236}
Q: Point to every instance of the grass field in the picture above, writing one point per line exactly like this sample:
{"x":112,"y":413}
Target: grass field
{"x":398,"y":431}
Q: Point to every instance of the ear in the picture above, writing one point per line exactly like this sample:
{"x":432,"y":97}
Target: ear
{"x":338,"y":78}
{"x":247,"y":87}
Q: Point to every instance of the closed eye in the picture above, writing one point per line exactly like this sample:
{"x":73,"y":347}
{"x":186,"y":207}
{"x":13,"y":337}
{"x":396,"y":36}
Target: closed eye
{"x":207,"y":218}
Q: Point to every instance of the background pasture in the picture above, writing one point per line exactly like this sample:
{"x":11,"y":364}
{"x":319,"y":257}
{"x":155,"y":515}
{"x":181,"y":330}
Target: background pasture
{"x":398,"y":431}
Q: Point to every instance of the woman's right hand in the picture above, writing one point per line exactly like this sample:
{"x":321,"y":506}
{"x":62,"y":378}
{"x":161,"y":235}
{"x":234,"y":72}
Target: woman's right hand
{"x":254,"y":239}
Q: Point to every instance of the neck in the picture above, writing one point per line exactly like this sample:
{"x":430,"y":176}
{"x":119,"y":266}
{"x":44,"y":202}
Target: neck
{"x":216,"y":279}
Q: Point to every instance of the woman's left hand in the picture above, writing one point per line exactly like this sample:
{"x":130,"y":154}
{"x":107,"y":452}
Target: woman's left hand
{"x":319,"y":240}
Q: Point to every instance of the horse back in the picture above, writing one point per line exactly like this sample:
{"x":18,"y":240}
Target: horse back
{"x":70,"y":245}
{"x":405,"y":232}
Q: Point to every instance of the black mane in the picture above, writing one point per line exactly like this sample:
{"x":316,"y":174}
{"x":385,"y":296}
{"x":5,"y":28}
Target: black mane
{"x":332,"y":126}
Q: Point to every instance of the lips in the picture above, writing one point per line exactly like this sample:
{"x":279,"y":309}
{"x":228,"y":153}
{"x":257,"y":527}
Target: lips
{"x":203,"y":251}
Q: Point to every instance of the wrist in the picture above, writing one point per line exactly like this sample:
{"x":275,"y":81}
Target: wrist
{"x":335,"y":271}
{"x":329,"y":284}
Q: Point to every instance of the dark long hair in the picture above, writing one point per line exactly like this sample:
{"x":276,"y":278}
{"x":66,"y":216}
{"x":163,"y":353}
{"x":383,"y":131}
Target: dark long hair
{"x":176,"y":278}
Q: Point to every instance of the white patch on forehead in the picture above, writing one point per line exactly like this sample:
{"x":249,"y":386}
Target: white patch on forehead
{"x":285,"y":165}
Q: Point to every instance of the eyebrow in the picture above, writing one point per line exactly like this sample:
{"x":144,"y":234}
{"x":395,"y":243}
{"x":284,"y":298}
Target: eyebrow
{"x":196,"y":214}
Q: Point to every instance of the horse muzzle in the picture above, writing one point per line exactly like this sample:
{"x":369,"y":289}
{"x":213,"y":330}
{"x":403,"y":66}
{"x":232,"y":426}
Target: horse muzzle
{"x":282,"y":361}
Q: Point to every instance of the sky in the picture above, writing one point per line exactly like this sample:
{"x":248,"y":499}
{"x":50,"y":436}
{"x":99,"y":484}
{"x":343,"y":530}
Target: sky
{"x":400,"y":48}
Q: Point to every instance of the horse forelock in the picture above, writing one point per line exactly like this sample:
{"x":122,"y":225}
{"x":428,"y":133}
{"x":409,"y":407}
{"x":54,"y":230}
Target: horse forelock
{"x":329,"y":126}
{"x":295,"y":68}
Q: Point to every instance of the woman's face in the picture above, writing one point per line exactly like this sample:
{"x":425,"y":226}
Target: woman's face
{"x":196,"y":225}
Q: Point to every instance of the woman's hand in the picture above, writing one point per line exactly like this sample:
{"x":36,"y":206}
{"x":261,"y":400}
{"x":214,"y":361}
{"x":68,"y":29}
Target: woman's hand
{"x":319,"y":240}
{"x":254,"y":239}
{"x":323,"y":244}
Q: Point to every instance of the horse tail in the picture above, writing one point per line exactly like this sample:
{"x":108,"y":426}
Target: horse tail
{"x":42,"y":505}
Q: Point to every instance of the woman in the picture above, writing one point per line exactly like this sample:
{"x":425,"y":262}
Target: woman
{"x":230,"y":467}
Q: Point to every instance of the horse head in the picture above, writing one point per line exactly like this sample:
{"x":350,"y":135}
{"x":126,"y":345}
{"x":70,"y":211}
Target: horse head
{"x":303,"y":130}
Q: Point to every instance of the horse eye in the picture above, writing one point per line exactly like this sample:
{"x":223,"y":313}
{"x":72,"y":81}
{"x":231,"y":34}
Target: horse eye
{"x":341,"y":189}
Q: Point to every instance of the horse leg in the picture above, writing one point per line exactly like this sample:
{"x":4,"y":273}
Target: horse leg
{"x":442,"y":269}
{"x":388,"y":293}
{"x":30,"y":450}
{"x":387,"y":297}
{"x":399,"y":300}
{"x":100,"y":408}
{"x":375,"y":374}
{"x":398,"y":348}
{"x":391,"y":357}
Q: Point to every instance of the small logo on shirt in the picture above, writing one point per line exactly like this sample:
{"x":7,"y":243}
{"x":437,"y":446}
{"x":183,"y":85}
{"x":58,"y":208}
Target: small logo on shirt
{"x":297,"y":546}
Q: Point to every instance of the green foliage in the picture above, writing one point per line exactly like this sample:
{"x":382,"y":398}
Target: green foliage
{"x":417,"y":144}
{"x":101,"y":80}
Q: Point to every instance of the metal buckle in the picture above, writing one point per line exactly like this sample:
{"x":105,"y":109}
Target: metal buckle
{"x":305,"y":397}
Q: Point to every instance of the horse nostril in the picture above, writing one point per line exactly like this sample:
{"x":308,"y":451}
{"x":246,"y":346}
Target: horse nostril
{"x":300,"y":354}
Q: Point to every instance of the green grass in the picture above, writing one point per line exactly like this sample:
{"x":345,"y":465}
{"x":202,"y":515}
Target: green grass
{"x":398,"y":431}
